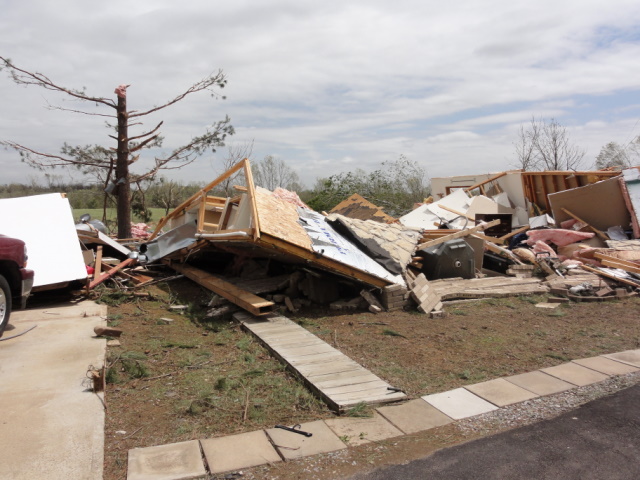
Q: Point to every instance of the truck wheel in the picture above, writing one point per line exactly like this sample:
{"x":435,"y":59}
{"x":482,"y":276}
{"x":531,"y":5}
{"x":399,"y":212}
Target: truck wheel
{"x":5,"y":303}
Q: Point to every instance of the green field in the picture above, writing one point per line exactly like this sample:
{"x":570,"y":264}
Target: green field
{"x":96,"y":213}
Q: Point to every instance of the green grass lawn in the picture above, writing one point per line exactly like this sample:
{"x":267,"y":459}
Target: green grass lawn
{"x":96,"y":213}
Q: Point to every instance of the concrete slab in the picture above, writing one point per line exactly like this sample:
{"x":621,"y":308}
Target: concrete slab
{"x":414,"y":416}
{"x":576,"y":374}
{"x":630,"y":357}
{"x":235,"y":452}
{"x":357,"y":431}
{"x":174,"y":461}
{"x":292,"y":445}
{"x":540,"y":383}
{"x":459,"y":403}
{"x":52,"y":423}
{"x":606,"y":365}
{"x":500,"y":392}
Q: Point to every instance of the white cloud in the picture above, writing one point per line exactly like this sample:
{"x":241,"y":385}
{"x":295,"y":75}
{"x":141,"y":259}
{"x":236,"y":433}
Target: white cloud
{"x":332,"y":85}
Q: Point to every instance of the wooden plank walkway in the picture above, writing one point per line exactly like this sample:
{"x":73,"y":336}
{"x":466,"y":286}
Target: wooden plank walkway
{"x":339,"y":381}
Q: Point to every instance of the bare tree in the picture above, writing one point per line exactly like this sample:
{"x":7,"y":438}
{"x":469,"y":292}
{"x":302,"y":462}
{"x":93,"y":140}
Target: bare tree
{"x":273,"y":172}
{"x":525,"y":147}
{"x":113,"y":164}
{"x":546,"y":146}
{"x":235,"y":153}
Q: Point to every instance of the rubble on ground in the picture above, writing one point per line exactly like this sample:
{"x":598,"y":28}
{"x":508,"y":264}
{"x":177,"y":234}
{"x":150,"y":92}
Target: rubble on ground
{"x":512,"y":233}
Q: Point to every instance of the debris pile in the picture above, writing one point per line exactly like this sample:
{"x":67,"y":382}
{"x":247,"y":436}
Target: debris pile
{"x":261,"y":251}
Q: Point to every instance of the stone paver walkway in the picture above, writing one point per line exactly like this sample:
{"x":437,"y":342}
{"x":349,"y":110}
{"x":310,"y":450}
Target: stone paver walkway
{"x":236,"y":452}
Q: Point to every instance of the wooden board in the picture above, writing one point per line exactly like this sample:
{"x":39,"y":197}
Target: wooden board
{"x":460,"y":234}
{"x":487,"y":287}
{"x":279,"y":218}
{"x":614,"y":262}
{"x":242,"y":298}
{"x":339,"y":381}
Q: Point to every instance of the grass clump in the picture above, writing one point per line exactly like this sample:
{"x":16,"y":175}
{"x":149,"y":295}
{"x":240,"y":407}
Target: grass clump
{"x":392,"y":333}
{"x":360,"y":410}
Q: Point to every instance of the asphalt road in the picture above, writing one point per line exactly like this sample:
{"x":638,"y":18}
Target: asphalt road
{"x":599,"y":441}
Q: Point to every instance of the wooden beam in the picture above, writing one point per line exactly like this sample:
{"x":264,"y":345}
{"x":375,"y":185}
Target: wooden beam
{"x":246,"y":300}
{"x":98,"y":263}
{"x":545,"y":193}
{"x":503,"y":252}
{"x":460,"y":234}
{"x":201,"y":211}
{"x":602,"y":235}
{"x":608,"y":275}
{"x":468,"y":217}
{"x":486,"y":238}
{"x":105,"y":275}
{"x":488,"y":180}
{"x":251,"y":193}
{"x":506,"y":237}
{"x":615,"y":262}
{"x":198,"y":196}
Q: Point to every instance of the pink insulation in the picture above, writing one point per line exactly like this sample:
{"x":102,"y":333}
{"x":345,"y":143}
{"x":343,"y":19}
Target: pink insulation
{"x":288,"y":196}
{"x":541,"y":247}
{"x":139,"y":230}
{"x":557,"y":236}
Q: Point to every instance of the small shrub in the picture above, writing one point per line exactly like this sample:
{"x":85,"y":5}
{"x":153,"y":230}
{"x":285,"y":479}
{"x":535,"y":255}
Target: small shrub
{"x":221,"y":384}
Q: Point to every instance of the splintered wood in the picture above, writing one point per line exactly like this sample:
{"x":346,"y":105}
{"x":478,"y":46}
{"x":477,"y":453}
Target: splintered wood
{"x":454,"y":288}
{"x":339,"y":381}
{"x":425,"y":296}
{"x":242,"y":298}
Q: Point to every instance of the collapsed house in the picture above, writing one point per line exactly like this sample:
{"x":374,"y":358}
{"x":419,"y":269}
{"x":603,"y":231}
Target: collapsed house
{"x":262,"y":233}
{"x":509,"y":233}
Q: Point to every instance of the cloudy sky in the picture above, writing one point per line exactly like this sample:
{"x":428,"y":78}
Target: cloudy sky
{"x":334,"y":85}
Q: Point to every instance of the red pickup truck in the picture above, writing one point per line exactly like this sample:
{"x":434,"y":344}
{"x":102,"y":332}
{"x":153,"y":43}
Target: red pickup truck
{"x":16,"y":280}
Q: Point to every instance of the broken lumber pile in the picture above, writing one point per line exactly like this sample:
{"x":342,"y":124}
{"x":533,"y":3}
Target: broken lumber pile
{"x":247,"y":300}
{"x":450,"y":289}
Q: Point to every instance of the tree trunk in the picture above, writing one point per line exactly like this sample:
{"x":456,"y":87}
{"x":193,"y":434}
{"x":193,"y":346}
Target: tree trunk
{"x":122,"y":171}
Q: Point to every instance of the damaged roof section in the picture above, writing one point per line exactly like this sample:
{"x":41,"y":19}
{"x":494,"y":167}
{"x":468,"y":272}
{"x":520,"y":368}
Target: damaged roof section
{"x":259,"y":224}
{"x":391,"y":245}
{"x":360,"y":208}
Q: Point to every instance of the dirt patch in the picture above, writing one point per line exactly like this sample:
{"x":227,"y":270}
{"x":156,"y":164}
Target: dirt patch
{"x":190,"y":378}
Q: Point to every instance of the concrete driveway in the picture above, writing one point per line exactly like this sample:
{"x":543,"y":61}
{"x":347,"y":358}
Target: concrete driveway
{"x":51,"y":422}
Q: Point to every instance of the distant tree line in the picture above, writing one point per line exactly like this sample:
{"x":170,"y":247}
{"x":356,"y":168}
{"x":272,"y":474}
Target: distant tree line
{"x":546,"y":145}
{"x":395,"y":186}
